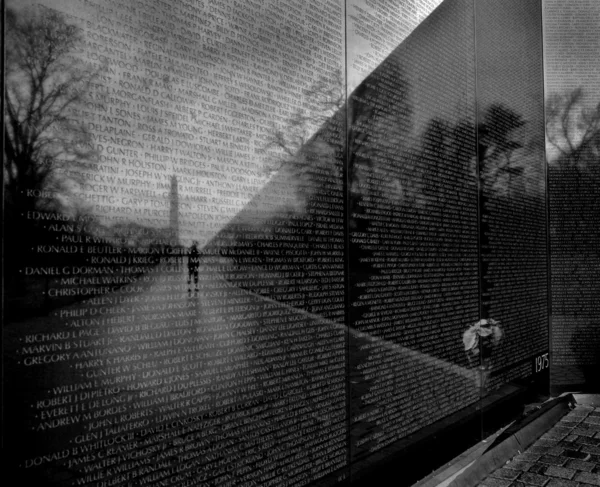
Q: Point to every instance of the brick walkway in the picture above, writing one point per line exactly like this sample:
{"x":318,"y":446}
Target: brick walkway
{"x":568,"y":455}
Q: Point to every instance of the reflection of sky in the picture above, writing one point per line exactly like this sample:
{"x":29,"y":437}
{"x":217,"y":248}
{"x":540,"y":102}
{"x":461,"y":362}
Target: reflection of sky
{"x":572,"y":45}
{"x":288,"y":48}
{"x":261,"y":56}
{"x":509,"y":50}
{"x":203,"y":117}
{"x":510,"y":72}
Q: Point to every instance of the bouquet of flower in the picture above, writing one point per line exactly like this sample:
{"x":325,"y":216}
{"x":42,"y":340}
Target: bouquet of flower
{"x":480,"y":339}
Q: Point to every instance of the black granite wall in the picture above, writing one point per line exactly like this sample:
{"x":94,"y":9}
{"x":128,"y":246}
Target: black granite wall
{"x":244,"y":241}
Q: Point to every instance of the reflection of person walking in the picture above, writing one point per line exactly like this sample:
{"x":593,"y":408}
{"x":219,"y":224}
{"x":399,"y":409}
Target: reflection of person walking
{"x":193,"y":264}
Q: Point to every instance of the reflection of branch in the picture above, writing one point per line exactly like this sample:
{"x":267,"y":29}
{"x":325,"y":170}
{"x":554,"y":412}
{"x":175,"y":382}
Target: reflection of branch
{"x":380,"y":115}
{"x":43,"y":87}
{"x":499,"y":138}
{"x":320,"y":102}
{"x":569,"y":125}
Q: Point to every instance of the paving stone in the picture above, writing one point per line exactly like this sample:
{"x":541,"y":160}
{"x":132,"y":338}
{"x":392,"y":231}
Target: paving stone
{"x":578,"y":455}
{"x":506,"y":473}
{"x":580,"y":465}
{"x":533,"y":479}
{"x":561,"y":429}
{"x":492,"y":482}
{"x":588,"y":478}
{"x":586,"y":441}
{"x":570,"y":438}
{"x":561,"y":472}
{"x":592,"y":420}
{"x":538,"y":468}
{"x":557,"y":450}
{"x":539,"y":449}
{"x":576,"y":413}
{"x":517,"y":484}
{"x":562,"y":483}
{"x":552,"y":460}
{"x":519,"y":465}
{"x":584,"y":432}
{"x":579,"y":417}
{"x":590,"y":449}
{"x":555,"y":435}
{"x":545,"y":441}
{"x":572,"y":422}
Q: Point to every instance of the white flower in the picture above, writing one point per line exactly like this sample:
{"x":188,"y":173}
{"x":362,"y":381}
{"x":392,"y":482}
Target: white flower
{"x":483,"y":328}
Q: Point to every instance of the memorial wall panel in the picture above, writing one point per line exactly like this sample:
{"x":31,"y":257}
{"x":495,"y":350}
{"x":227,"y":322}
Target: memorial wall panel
{"x":572,"y":71}
{"x":413,"y":231}
{"x":243,"y":240}
{"x":176,"y":316}
{"x":512,"y":178}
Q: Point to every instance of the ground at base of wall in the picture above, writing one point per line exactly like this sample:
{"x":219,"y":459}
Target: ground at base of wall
{"x":566,"y":455}
{"x":452,"y":469}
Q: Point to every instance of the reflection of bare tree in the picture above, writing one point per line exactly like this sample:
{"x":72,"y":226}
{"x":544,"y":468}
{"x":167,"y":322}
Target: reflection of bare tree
{"x":322,"y":100}
{"x":377,"y":138}
{"x":300,"y":211}
{"x":382,"y":169}
{"x":45,"y":84}
{"x":445,"y":145}
{"x":46,"y":147}
{"x":498,"y":140}
{"x":570,"y":127}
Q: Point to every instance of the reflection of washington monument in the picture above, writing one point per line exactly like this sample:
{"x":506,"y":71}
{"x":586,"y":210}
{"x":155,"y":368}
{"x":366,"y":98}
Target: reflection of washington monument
{"x":174,"y":212}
